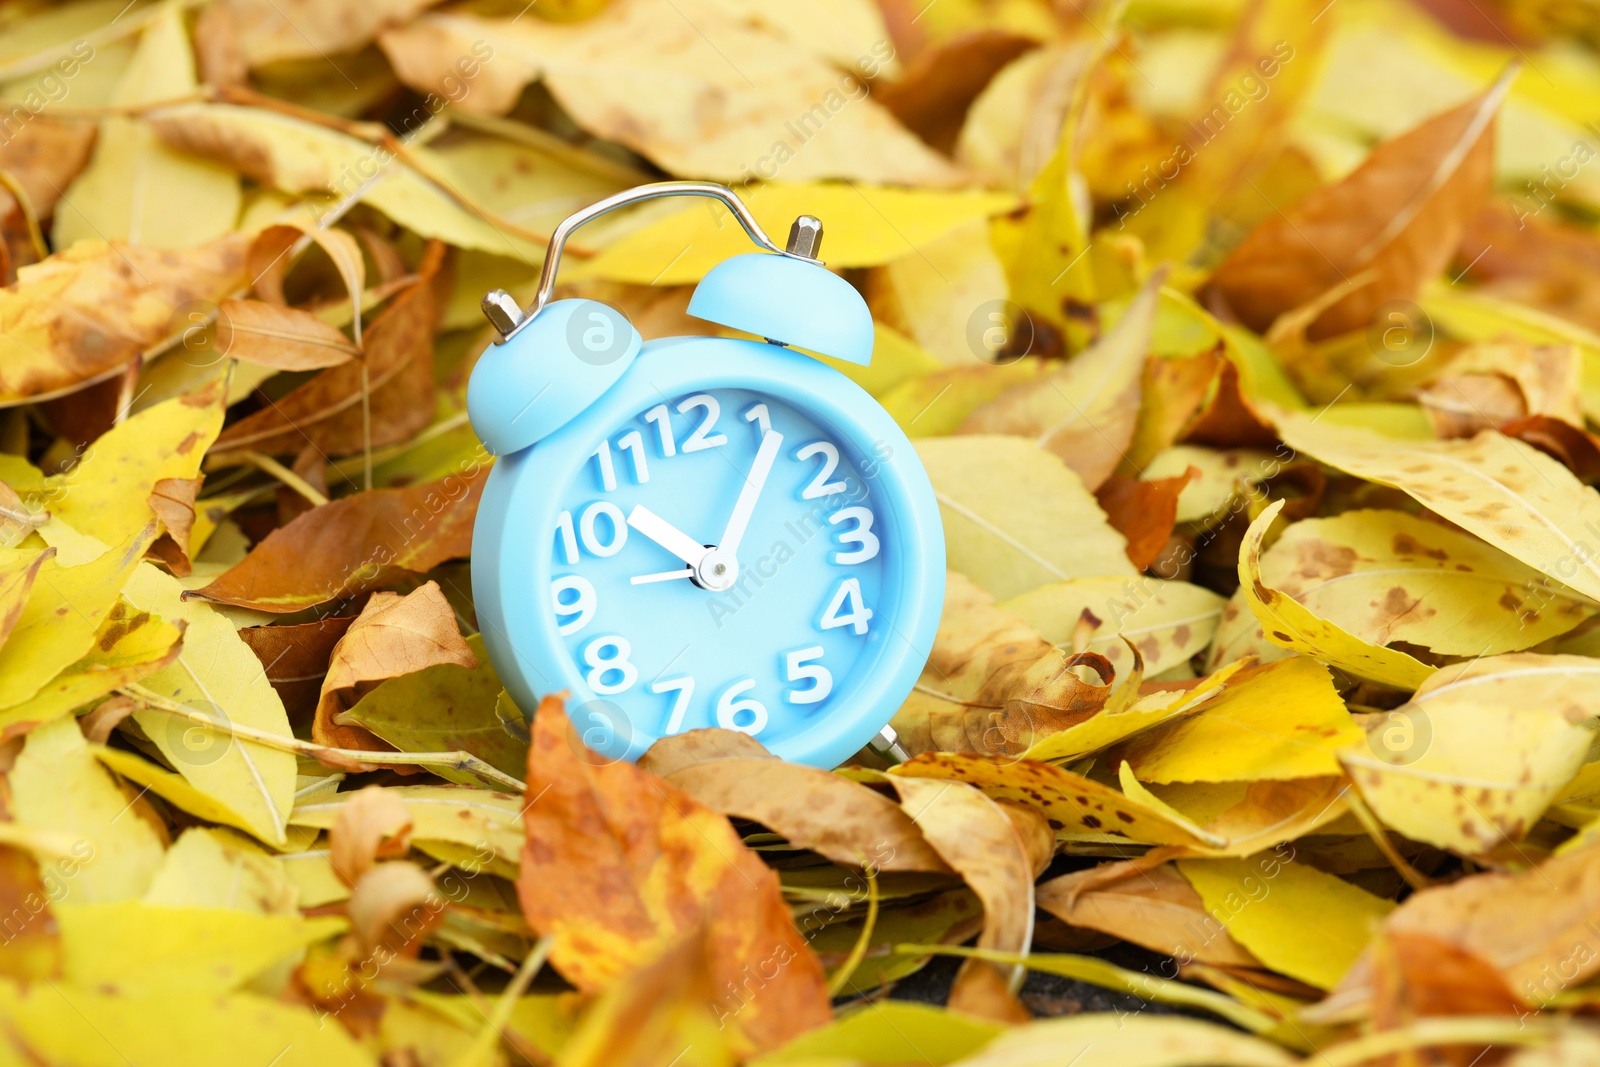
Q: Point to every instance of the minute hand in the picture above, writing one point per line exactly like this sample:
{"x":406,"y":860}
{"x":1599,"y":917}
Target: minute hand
{"x":745,"y":506}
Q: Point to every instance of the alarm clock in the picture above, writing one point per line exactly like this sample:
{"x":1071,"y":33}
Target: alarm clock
{"x":702,"y":531}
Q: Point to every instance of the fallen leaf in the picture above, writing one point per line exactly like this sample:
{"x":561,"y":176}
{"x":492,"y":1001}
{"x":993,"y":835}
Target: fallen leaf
{"x":447,"y":707}
{"x":1263,"y":902}
{"x":373,"y":824}
{"x":1085,"y":412}
{"x":1513,"y":496}
{"x":1480,"y":750}
{"x":814,"y":809}
{"x":639,"y":75}
{"x":619,"y":865}
{"x":327,"y":412}
{"x":1167,"y":621}
{"x":355,"y":544}
{"x":1144,"y":512}
{"x":1280,"y":720}
{"x":1399,"y":215}
{"x":283,"y":338}
{"x":393,"y":635}
{"x":121,"y":850}
{"x":1155,"y":907}
{"x":91,"y":309}
{"x":295,"y":658}
{"x":1288,"y":623}
{"x":1105,"y":1039}
{"x":1008,"y":510}
{"x":271,"y":31}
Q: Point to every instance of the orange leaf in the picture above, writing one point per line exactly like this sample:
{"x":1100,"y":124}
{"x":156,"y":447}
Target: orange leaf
{"x":1400,"y":214}
{"x":619,"y":866}
{"x":355,"y":544}
{"x":1143,"y":511}
{"x":282,"y":337}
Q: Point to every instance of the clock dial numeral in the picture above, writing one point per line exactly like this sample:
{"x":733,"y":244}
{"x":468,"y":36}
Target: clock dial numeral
{"x":702,"y":437}
{"x":663,"y":423}
{"x":847,"y":608}
{"x":616,"y":531}
{"x":684,"y":687}
{"x":633,"y":444}
{"x":758,"y":414}
{"x":578,"y":607}
{"x":861,"y":534}
{"x":820,"y":486}
{"x":746,"y":716}
{"x":798,"y":668}
{"x":603,"y":665}
{"x":608,"y":472}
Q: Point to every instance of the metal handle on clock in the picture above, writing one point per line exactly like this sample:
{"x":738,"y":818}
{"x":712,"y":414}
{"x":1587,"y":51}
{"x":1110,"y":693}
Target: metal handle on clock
{"x":508,"y":318}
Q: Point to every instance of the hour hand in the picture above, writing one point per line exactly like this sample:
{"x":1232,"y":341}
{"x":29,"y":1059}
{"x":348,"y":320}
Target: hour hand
{"x":666,"y":535}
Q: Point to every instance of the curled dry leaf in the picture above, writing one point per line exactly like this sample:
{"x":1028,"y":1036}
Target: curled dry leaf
{"x":831,"y":815}
{"x":1288,"y":623}
{"x":393,"y":635}
{"x":91,"y":309}
{"x":356,"y":543}
{"x":327,"y":411}
{"x":976,"y":837}
{"x":1400,"y":215}
{"x":394,"y":905}
{"x":1167,"y":622}
{"x":620,"y":865}
{"x":373,"y":824}
{"x":1154,"y":907}
{"x":992,"y":683}
{"x":284,"y":338}
{"x":1488,"y":385}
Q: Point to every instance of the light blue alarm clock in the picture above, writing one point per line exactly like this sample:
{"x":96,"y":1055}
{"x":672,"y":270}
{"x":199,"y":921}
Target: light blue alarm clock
{"x":703,"y":531}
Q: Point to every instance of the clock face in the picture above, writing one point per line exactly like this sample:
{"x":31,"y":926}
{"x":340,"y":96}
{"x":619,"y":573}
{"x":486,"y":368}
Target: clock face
{"x":721,"y":558}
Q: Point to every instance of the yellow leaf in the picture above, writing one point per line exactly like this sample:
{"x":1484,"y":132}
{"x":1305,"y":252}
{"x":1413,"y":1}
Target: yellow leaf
{"x":1281,"y":720}
{"x":1121,"y":720}
{"x":863,"y":226}
{"x":1296,"y":919}
{"x":57,"y":785}
{"x":133,"y":947}
{"x":300,"y":157}
{"x":479,"y":819}
{"x":270,"y":31}
{"x":107,"y":495}
{"x":887,"y":1031}
{"x":137,"y":189}
{"x":220,"y":678}
{"x":1287,"y":622}
{"x":208,"y":867}
{"x":935,"y":404}
{"x":950,"y":297}
{"x":1167,"y":621}
{"x":896,"y":359}
{"x":1016,"y":517}
{"x":18,"y":570}
{"x":1387,"y":576}
{"x":65,"y":608}
{"x":187,"y":1029}
{"x":1480,"y":751}
{"x":129,"y":645}
{"x":643,"y":74}
{"x":89,"y":310}
{"x":1508,"y":493}
{"x":1226,"y":475}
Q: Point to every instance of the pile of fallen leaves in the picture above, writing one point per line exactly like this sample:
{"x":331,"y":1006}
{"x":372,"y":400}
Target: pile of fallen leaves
{"x":1252,"y":347}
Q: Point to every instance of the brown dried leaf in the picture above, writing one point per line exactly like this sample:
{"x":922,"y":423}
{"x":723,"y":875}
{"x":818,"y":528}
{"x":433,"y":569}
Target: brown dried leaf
{"x":1143,"y":511}
{"x":295,"y":658}
{"x":393,"y":635}
{"x":372,"y":825}
{"x":619,"y":866}
{"x":285,"y":338}
{"x":1400,"y":214}
{"x":355,"y":544}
